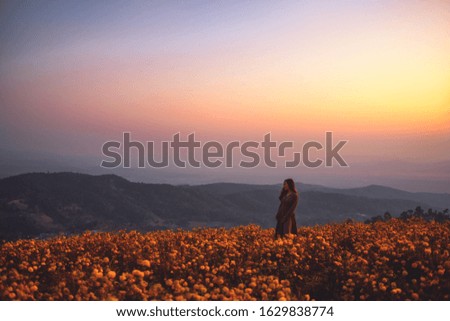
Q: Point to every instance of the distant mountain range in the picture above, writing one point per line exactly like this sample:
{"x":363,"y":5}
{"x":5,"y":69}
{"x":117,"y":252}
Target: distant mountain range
{"x":40,"y":204}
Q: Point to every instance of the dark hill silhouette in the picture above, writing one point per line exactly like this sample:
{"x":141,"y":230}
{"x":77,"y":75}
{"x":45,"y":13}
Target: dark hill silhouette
{"x":439,"y":200}
{"x":39,"y":204}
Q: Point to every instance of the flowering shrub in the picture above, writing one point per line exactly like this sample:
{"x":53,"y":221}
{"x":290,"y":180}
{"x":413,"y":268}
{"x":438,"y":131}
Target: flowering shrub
{"x":392,"y":260}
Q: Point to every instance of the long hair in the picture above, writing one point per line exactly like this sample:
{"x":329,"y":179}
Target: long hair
{"x":291,"y":185}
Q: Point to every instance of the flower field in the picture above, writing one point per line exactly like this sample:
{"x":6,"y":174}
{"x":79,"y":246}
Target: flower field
{"x":392,"y":260}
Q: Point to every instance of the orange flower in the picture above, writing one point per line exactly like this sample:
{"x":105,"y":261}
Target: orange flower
{"x":378,"y":261}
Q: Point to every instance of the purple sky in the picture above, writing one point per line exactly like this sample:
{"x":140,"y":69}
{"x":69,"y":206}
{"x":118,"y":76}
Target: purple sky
{"x":76,"y":74}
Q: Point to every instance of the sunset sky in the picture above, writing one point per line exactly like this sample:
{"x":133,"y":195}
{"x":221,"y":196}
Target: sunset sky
{"x":75,"y":74}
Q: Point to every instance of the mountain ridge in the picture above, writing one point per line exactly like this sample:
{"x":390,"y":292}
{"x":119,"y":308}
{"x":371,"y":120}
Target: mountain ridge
{"x":34,"y":204}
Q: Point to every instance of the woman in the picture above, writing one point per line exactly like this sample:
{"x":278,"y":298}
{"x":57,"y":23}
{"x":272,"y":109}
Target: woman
{"x":286,"y":222}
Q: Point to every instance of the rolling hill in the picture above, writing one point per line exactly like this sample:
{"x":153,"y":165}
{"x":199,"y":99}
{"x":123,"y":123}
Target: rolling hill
{"x":40,"y":204}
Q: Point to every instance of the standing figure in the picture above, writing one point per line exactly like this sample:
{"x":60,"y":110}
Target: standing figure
{"x":286,"y":222}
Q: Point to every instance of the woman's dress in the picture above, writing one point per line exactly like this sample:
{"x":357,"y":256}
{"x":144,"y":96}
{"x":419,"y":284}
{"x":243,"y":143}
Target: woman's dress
{"x":286,"y":222}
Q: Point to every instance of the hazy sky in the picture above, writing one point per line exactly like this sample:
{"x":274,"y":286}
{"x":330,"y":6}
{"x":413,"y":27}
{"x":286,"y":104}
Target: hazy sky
{"x":74,"y":74}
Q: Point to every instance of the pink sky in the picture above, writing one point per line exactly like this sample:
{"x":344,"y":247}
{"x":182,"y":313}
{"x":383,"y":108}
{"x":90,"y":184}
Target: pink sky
{"x":74,"y":75}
